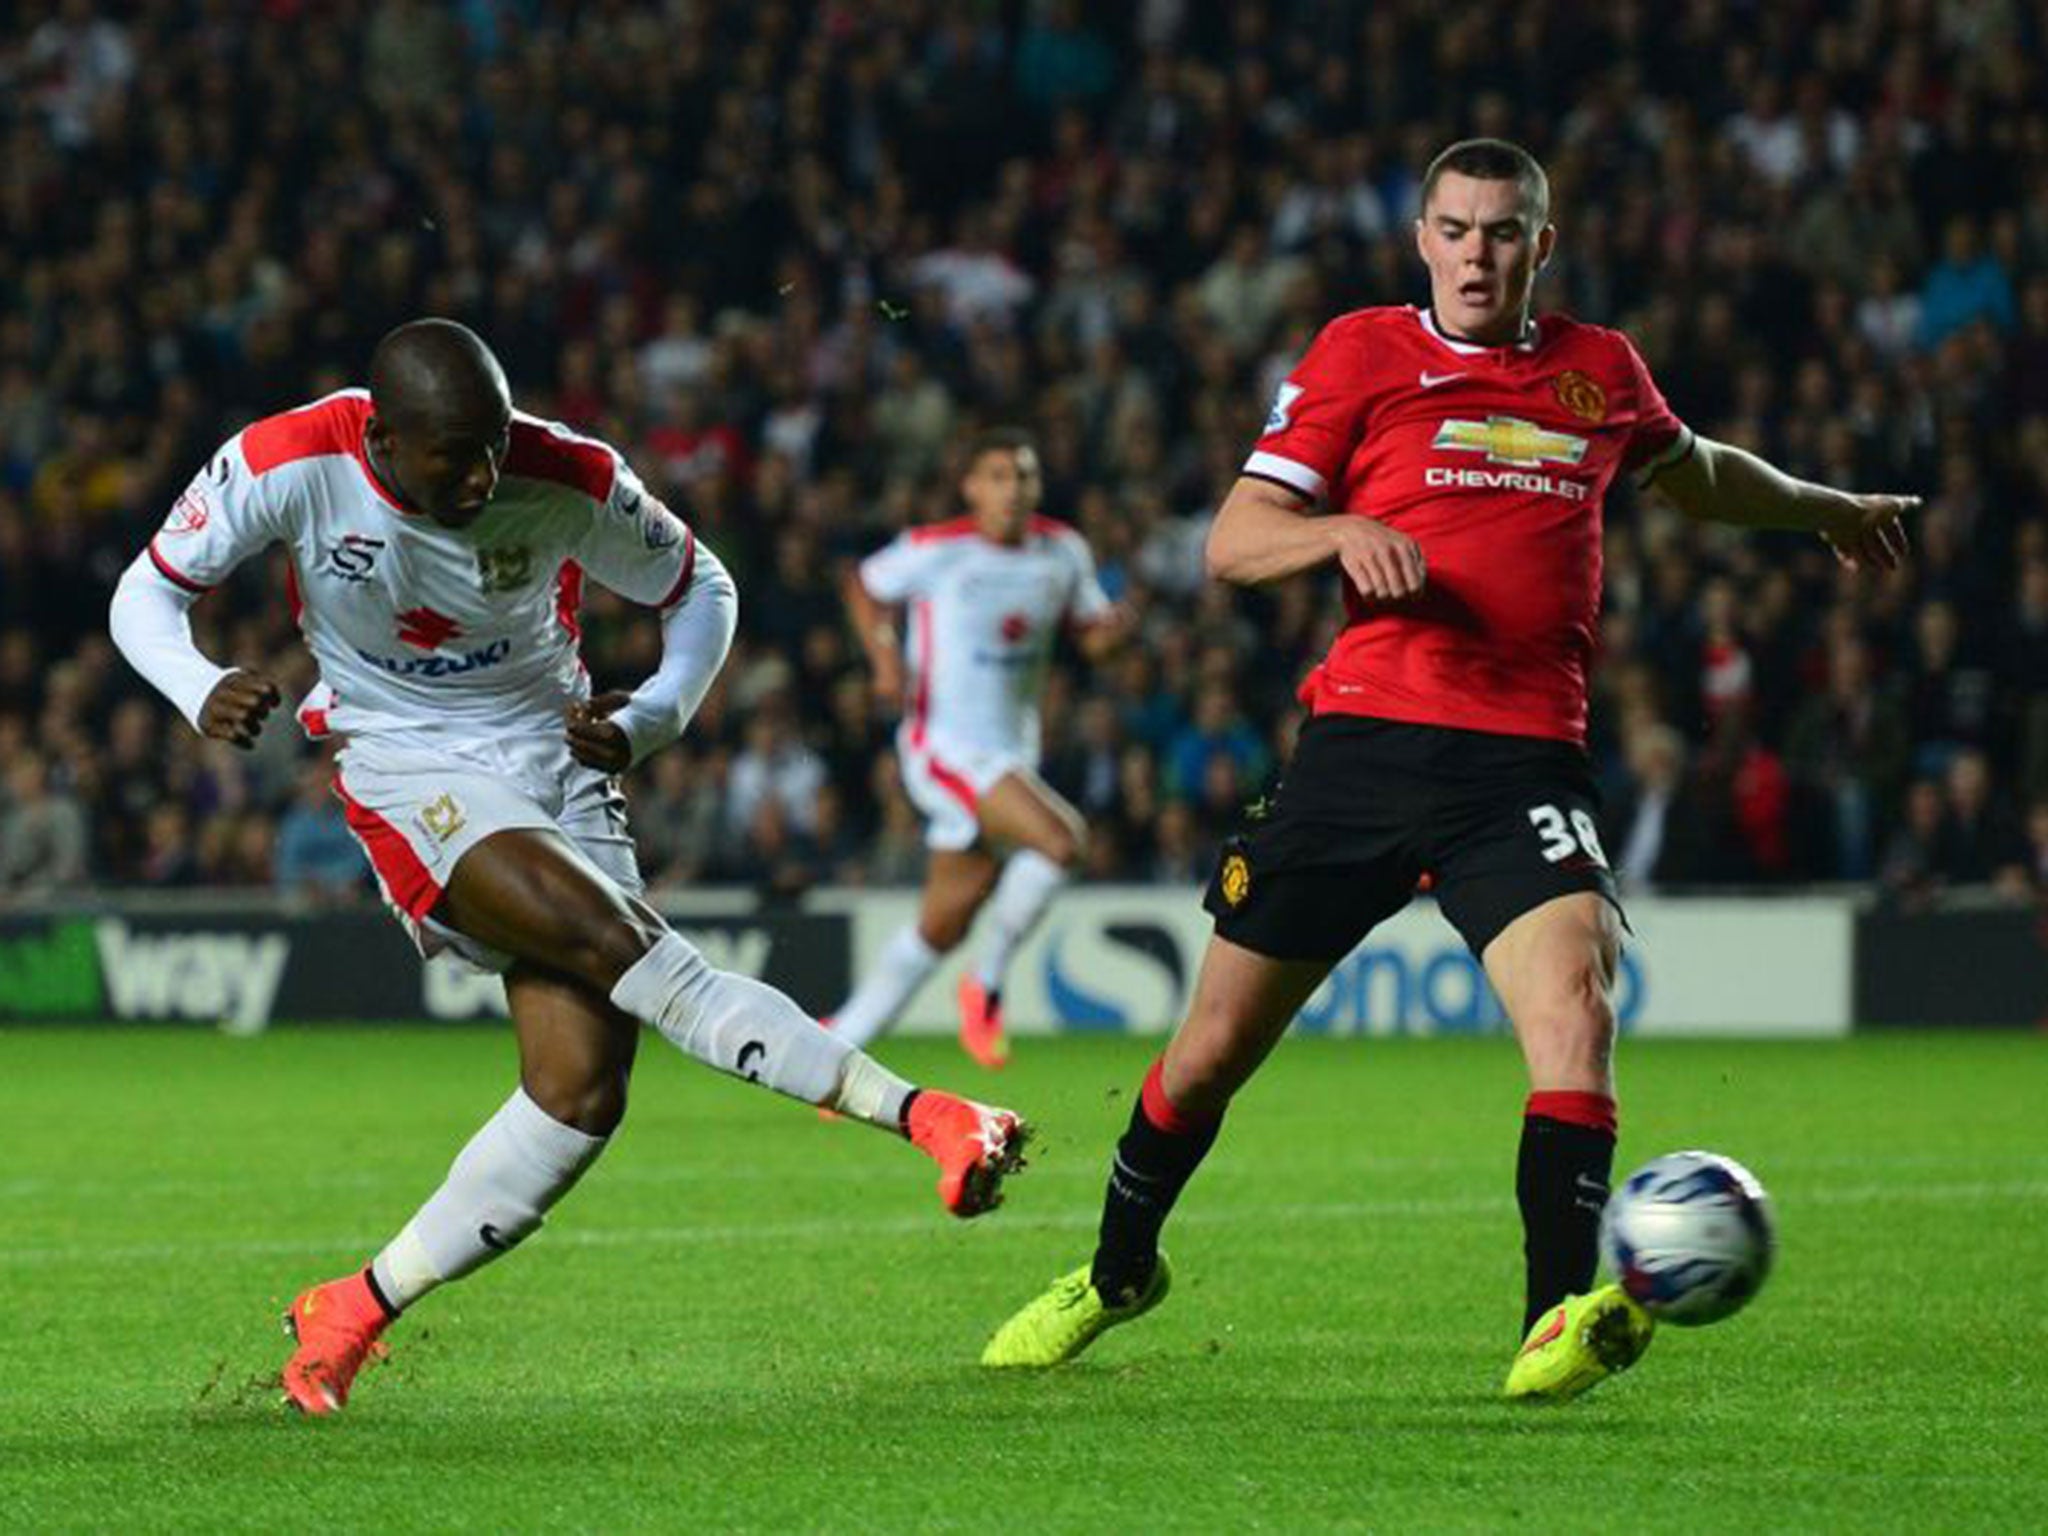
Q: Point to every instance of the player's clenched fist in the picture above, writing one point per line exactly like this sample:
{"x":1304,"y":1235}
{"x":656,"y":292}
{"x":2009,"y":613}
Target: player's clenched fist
{"x":237,"y":707}
{"x":593,"y":740}
{"x":1382,"y":562}
{"x":1868,"y":531}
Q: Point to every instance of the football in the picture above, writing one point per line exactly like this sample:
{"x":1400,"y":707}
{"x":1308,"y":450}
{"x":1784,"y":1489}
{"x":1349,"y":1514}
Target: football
{"x":1689,"y":1236}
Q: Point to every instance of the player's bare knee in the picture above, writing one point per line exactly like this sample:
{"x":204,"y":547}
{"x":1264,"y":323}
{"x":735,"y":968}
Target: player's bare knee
{"x":602,"y":948}
{"x":943,"y":934}
{"x":1067,"y":847}
{"x":588,"y":1097}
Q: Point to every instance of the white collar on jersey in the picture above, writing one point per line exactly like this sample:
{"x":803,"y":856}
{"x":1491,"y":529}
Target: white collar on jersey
{"x":1530,"y":336}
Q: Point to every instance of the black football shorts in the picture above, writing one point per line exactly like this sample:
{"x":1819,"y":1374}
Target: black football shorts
{"x":1367,"y":808}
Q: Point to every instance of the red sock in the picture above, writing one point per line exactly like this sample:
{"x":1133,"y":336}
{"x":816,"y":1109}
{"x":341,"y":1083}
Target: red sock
{"x":1162,"y":1111}
{"x":1595,"y":1111}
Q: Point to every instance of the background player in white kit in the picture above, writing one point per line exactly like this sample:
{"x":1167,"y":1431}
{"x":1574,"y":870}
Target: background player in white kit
{"x":437,"y":543}
{"x":985,"y":596}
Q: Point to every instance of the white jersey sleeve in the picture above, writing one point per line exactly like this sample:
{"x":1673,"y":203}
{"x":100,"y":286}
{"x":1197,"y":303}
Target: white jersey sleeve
{"x":636,"y":546}
{"x":1087,"y":602}
{"x":224,"y":516}
{"x":902,"y":569}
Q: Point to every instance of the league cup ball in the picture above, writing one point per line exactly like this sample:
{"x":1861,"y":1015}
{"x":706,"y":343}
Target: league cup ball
{"x":1689,"y":1236}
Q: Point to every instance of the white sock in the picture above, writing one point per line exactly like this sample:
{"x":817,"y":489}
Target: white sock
{"x":497,"y":1190}
{"x":1027,"y":886}
{"x":744,"y":1027}
{"x":905,"y":962}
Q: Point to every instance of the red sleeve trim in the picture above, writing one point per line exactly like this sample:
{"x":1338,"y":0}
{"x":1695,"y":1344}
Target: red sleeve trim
{"x":675,"y":593}
{"x":172,"y":574}
{"x":334,"y":425}
{"x":580,"y":463}
{"x":952,"y":528}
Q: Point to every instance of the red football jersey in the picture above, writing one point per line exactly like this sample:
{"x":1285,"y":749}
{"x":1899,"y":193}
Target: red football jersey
{"x":1494,"y":460}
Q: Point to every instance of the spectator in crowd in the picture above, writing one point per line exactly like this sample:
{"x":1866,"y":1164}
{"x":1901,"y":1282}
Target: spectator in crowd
{"x":1218,"y":732}
{"x":316,"y":859}
{"x":774,"y":766}
{"x":1978,"y":843}
{"x":1116,"y":225}
{"x":1968,"y":284}
{"x":675,"y":818}
{"x":1657,"y":836}
{"x":1847,"y":751}
{"x":43,"y":834}
{"x":1912,"y":864}
{"x":2037,"y":848}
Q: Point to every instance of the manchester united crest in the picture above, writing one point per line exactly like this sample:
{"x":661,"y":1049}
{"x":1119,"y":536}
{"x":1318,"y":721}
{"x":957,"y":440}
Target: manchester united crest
{"x":1582,"y":395}
{"x":1235,"y":880}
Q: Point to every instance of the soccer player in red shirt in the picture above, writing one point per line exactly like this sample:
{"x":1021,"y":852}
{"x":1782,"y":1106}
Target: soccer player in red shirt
{"x":1451,"y":461}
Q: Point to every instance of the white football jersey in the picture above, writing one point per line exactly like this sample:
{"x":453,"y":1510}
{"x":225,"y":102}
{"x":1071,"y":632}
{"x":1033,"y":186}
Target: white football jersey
{"x":982,"y":618}
{"x":421,"y":631}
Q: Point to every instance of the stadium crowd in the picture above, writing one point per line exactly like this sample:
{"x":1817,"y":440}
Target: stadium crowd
{"x":787,"y":256}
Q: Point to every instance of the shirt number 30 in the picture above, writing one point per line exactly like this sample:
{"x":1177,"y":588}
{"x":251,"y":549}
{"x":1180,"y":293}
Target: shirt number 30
{"x":1565,"y":836}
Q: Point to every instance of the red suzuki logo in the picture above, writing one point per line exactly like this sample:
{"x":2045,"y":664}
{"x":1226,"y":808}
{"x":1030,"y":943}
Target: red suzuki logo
{"x":426,"y":630}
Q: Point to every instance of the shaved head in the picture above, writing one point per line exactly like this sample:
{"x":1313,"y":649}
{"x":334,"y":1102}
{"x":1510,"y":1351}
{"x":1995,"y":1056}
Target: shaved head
{"x":440,"y":419}
{"x":431,"y":373}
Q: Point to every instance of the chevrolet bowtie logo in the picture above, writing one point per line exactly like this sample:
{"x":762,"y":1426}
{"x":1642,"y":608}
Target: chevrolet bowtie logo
{"x":1510,"y":440}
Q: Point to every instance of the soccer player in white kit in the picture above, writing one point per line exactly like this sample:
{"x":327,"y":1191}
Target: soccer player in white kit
{"x":985,"y":596}
{"x":438,"y":540}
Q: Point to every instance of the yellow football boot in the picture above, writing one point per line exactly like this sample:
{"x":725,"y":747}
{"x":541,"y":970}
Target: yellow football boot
{"x":1067,"y":1319}
{"x":1579,"y":1343}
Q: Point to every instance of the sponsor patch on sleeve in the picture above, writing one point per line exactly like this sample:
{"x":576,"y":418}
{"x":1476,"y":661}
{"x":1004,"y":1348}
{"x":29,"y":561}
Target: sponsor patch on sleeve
{"x":1278,"y":418}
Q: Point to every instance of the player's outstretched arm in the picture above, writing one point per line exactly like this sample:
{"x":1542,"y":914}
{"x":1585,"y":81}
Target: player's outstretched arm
{"x":1721,"y":483}
{"x":1265,"y":532}
{"x":875,"y":626}
{"x":613,"y":731}
{"x":150,"y":622}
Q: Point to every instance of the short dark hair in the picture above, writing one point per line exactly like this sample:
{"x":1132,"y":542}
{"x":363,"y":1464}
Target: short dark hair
{"x":1493,"y":160}
{"x":998,"y":440}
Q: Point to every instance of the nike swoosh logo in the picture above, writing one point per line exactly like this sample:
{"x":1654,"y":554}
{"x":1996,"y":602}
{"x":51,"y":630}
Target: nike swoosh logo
{"x":1546,"y":1336}
{"x":1431,"y":380}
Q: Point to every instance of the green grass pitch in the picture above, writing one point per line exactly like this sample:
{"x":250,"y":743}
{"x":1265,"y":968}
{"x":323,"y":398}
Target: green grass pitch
{"x":750,"y":1319}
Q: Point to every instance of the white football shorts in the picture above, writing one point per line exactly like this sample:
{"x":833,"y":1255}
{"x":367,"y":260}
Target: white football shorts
{"x":946,"y":784}
{"x":416,"y":810}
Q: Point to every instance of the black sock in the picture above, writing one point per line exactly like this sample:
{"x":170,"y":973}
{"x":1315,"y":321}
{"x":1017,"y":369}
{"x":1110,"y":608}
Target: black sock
{"x":1561,"y":1186}
{"x":1158,"y":1155}
{"x":377,"y":1291}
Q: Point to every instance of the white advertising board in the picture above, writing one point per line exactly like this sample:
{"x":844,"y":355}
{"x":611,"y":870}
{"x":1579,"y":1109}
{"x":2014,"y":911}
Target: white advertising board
{"x":1123,"y":958}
